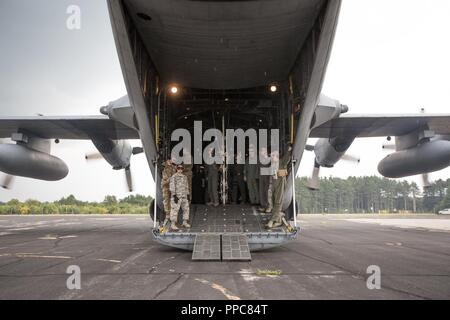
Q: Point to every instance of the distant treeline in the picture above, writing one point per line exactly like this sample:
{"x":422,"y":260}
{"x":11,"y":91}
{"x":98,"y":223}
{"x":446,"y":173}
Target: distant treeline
{"x":372,"y":195}
{"x":137,"y":204}
{"x":352,"y":195}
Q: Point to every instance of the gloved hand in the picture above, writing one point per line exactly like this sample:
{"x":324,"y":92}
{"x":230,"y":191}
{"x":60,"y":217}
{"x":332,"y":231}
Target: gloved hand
{"x":175,"y":198}
{"x":282,"y":173}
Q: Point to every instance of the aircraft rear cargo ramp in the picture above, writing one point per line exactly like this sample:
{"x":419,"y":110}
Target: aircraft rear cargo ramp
{"x":226,"y":226}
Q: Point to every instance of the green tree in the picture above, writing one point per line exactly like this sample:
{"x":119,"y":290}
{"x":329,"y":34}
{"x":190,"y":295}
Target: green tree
{"x":110,"y":201}
{"x":70,"y":200}
{"x":50,"y":208}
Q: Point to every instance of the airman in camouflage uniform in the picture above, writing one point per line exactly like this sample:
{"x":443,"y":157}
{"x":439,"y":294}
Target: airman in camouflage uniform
{"x":278,"y":186}
{"x":251,"y":176}
{"x":179,"y":189}
{"x":168,"y":172}
{"x":213,"y":180}
{"x":237,"y":183}
{"x":187,"y":171}
{"x":264,"y":181}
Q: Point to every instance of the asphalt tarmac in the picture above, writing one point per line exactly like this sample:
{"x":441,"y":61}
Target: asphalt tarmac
{"x":118,"y":259}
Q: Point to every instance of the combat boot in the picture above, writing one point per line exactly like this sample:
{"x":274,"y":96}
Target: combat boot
{"x":275,"y":221}
{"x":277,"y":224}
{"x":274,"y":224}
{"x":186,"y":224}
{"x":173,"y":226}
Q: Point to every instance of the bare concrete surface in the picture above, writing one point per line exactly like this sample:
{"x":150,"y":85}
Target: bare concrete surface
{"x":119,"y":260}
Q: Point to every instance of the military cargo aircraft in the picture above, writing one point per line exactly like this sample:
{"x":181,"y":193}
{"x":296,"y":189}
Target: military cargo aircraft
{"x":229,"y":64}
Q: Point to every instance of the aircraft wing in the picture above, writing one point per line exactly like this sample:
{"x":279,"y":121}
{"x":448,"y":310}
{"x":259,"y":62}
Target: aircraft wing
{"x":76,"y":128}
{"x":365,"y":126}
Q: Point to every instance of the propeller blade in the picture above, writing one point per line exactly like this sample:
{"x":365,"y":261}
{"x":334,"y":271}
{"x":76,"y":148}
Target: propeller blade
{"x":426,"y":180}
{"x":7,"y":182}
{"x":351,"y":158}
{"x":314,"y":180}
{"x":93,"y":156}
{"x":129,"y":179}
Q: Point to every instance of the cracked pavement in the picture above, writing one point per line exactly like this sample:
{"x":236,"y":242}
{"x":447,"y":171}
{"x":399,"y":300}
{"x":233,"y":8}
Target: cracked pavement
{"x":119,"y":260}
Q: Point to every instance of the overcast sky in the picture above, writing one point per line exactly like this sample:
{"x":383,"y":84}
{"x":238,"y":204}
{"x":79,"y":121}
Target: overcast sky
{"x":390,"y":56}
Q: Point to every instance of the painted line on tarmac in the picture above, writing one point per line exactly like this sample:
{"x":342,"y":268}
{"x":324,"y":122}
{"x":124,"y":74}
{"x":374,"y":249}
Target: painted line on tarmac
{"x":35,"y":223}
{"x":6,"y":233}
{"x":29,"y":255}
{"x":397,"y":244}
{"x":221,"y":289}
{"x":109,"y":260}
{"x":52,"y":237}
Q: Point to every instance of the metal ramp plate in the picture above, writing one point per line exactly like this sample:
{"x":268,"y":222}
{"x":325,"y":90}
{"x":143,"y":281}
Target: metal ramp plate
{"x":206,"y":247}
{"x":235,"y":247}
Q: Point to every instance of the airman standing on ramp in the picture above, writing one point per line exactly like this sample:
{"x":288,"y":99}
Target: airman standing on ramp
{"x":187,"y":171}
{"x":168,"y":172}
{"x":279,"y":185}
{"x":179,"y":188}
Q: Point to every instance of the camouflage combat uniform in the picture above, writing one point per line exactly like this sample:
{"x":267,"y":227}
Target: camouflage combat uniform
{"x":278,"y":187}
{"x":213,"y":180}
{"x":252,"y":176}
{"x":237,"y":183}
{"x":269,"y":206}
{"x":179,"y":187}
{"x":265,"y":194}
{"x":168,"y":172}
{"x":187,"y":171}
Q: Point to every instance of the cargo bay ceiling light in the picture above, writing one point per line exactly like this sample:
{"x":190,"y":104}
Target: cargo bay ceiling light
{"x":273,"y":88}
{"x":173,"y":89}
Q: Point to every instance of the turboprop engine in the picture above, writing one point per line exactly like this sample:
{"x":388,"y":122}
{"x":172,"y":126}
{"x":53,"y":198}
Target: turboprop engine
{"x":425,"y":158}
{"x":118,"y":154}
{"x":327,"y":153}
